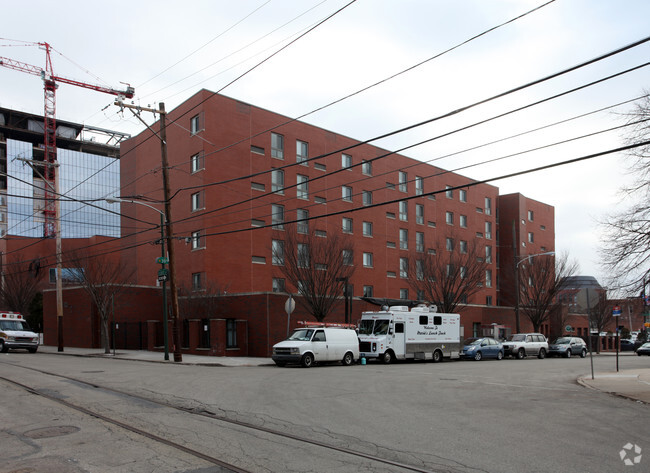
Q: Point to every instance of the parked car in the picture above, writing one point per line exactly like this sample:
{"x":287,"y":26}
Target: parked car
{"x":521,"y":345}
{"x":479,"y":348}
{"x":567,"y":346}
{"x":643,"y":349}
{"x":627,"y":345}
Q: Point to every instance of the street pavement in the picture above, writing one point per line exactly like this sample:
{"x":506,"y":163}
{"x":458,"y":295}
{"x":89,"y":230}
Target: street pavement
{"x":633,"y":384}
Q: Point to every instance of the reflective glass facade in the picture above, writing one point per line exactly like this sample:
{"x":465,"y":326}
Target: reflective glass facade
{"x":82,"y":176}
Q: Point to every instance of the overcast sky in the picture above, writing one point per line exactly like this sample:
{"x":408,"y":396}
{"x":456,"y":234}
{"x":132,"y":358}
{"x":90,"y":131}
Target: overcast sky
{"x":168,"y":51}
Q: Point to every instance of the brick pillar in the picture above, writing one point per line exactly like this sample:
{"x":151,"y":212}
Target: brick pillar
{"x":152,"y":326}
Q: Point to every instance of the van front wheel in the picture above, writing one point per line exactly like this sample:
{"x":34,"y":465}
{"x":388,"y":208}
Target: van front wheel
{"x":307,"y":360}
{"x":387,"y":357}
{"x":348,"y":359}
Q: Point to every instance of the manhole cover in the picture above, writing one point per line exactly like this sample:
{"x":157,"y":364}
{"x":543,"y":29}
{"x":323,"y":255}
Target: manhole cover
{"x":48,"y":432}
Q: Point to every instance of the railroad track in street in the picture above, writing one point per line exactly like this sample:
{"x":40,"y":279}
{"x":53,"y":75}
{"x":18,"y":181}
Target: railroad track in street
{"x":145,"y":424}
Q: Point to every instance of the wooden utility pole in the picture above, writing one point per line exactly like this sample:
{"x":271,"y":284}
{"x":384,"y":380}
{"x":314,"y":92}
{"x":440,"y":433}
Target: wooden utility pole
{"x":176,"y":329}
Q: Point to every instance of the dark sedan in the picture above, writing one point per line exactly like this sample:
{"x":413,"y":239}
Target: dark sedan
{"x":479,"y":348}
{"x":643,"y":349}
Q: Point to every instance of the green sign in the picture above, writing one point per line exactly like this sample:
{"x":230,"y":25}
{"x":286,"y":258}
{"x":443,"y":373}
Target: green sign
{"x":163,"y":275}
{"x":162,"y":260}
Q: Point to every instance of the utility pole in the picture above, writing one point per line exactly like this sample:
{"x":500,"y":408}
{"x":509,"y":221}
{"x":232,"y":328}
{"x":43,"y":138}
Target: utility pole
{"x":176,"y":330}
{"x":52,"y":169}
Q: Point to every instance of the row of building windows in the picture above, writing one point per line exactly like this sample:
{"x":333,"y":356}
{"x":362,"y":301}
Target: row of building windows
{"x":279,"y":285}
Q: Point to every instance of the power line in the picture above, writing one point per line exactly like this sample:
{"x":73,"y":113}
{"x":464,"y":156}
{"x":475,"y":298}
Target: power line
{"x":390,"y":153}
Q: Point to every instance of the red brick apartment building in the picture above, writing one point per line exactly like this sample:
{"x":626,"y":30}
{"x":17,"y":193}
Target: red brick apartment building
{"x":236,"y":170}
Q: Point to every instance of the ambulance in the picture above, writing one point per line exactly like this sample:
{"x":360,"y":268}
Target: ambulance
{"x":420,"y":333}
{"x":15,"y":333}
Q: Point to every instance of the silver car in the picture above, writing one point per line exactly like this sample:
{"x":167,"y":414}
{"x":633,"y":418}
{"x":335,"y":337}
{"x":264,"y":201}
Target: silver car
{"x":567,"y":346}
{"x":521,"y":345}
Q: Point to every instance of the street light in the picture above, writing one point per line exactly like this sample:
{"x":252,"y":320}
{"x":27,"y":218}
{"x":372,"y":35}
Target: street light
{"x":116,"y":200}
{"x":521,"y":260}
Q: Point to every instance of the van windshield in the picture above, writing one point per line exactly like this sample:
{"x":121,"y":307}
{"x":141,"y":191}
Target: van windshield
{"x":14,"y":325}
{"x":303,"y":334}
{"x":376,"y":327}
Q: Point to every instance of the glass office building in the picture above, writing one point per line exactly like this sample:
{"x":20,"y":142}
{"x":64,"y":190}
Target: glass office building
{"x":85,"y":179}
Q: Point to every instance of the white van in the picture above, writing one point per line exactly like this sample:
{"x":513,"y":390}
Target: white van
{"x":15,"y":333}
{"x":318,"y":344}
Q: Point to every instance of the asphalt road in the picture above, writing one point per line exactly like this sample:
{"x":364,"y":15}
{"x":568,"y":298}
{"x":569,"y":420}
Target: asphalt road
{"x":488,"y":416}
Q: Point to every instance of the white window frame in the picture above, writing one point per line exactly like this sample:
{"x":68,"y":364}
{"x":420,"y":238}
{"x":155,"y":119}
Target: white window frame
{"x":449,"y":218}
{"x":302,"y":152}
{"x":197,"y":163}
{"x":197,"y":201}
{"x":367,"y":260}
{"x":366,"y":168}
{"x":403,"y":239}
{"x":302,"y":227}
{"x":302,"y":187}
{"x":347,"y":225}
{"x":197,"y":240}
{"x":277,"y":181}
{"x":346,"y":193}
{"x":277,"y":146}
{"x":403,"y":181}
{"x":277,"y":216}
{"x":419,"y":214}
{"x":277,"y":252}
{"x":367,"y":229}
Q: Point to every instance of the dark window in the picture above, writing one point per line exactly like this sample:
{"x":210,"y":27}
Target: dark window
{"x":424,"y":319}
{"x":319,"y":336}
{"x":399,"y":328}
{"x":231,"y":333}
{"x":437,"y":320}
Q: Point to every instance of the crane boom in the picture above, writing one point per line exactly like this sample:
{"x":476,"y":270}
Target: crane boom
{"x":38,"y":71}
{"x":50,"y":82}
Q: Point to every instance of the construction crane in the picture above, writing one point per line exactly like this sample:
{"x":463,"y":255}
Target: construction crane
{"x":51,"y":82}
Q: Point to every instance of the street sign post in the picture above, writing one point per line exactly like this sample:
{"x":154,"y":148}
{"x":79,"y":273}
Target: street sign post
{"x":289,"y":307}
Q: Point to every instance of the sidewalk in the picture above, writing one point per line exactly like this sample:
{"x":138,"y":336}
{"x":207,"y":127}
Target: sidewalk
{"x":159,"y":357}
{"x":631,"y":384}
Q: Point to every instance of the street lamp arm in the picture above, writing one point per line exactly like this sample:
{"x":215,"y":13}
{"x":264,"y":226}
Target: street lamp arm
{"x":117,"y":200}
{"x":528,"y":257}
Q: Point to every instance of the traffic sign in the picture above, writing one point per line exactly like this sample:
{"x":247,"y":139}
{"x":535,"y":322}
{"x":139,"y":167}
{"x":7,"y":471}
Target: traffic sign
{"x":289,"y":305}
{"x":616,"y":311}
{"x":163,"y":275}
{"x":162,"y":260}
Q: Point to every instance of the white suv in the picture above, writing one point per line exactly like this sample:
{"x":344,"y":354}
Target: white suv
{"x":521,"y":345}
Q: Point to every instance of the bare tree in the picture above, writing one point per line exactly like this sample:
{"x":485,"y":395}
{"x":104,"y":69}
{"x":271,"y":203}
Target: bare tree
{"x":317,"y":266}
{"x":625,"y":252}
{"x":601,"y":315}
{"x":448,"y":277}
{"x":540,"y":281}
{"x":21,"y":282}
{"x":203,"y":302}
{"x":103,"y":279}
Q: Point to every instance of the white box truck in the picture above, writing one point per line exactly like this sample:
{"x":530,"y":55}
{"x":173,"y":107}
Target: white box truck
{"x":318,"y":343}
{"x":421,"y":333}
